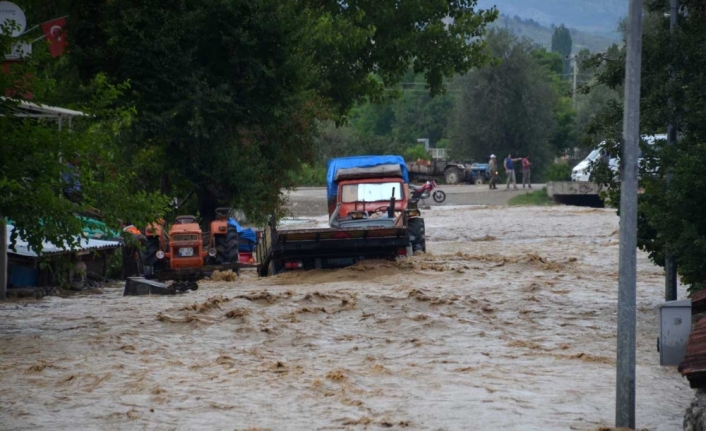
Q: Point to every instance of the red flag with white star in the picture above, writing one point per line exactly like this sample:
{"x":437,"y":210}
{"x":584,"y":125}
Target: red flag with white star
{"x":55,"y":34}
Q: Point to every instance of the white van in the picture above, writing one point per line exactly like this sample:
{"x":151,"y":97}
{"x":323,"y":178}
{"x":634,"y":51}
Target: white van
{"x":581,"y":171}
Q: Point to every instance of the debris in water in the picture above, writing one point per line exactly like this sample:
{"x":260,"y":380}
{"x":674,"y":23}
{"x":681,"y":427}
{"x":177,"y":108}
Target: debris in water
{"x":336,"y":375}
{"x":228,"y":275}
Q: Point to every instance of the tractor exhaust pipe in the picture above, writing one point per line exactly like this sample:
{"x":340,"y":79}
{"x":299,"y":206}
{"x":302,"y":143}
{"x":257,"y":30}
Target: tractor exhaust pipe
{"x":391,"y":208}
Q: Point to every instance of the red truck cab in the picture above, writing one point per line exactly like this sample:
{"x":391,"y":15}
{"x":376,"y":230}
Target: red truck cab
{"x":371,"y":196}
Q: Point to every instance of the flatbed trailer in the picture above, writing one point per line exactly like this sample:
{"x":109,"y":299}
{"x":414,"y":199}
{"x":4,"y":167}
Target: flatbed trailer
{"x":281,"y":250}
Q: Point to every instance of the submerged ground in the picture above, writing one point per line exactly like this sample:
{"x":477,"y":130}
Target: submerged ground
{"x":507,"y":323}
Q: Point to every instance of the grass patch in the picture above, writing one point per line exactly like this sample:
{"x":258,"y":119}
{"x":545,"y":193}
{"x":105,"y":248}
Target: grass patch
{"x":538,"y":197}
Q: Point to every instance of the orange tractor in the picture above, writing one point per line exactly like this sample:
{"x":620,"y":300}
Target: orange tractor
{"x":186,"y":252}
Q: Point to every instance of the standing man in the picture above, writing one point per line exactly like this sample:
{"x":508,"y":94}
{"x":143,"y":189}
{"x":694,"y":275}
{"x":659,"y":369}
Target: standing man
{"x":133,"y":241}
{"x":510,"y":171}
{"x":493,"y":166}
{"x":526,"y":172}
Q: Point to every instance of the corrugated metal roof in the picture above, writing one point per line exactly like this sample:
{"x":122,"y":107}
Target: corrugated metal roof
{"x":22,"y":247}
{"x":29,"y":109}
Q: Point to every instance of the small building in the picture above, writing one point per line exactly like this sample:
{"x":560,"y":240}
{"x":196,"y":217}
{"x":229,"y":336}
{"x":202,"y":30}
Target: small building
{"x":28,"y":268}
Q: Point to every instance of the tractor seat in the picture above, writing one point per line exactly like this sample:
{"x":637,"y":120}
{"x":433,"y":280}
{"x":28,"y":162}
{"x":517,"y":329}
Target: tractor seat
{"x":185,"y":219}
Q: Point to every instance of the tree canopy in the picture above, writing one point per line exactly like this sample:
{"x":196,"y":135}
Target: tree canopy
{"x":229,"y":92}
{"x":561,"y":41}
{"x":562,"y":44}
{"x":670,"y":214}
{"x":510,"y":106}
{"x":48,"y":175}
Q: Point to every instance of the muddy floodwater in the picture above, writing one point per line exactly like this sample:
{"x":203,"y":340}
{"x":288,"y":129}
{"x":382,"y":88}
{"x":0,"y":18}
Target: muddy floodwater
{"x":507,"y":323}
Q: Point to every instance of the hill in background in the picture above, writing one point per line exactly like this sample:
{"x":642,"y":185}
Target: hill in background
{"x":597,"y":17}
{"x":542,"y":35}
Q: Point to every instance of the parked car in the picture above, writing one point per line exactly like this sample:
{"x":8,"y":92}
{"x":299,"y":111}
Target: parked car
{"x":581,"y":172}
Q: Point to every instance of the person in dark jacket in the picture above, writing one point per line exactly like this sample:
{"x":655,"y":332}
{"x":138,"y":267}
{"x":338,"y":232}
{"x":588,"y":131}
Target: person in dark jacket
{"x":493,"y":167}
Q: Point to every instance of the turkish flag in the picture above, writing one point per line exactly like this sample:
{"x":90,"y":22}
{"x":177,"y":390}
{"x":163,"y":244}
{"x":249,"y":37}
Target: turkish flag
{"x":55,"y":34}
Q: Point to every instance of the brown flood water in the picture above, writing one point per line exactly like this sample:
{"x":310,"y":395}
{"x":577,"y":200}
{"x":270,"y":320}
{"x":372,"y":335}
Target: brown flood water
{"x":507,"y":323}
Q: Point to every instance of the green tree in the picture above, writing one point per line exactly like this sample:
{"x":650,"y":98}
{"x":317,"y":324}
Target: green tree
{"x":48,"y":176}
{"x":562,"y":44}
{"x":670,"y":215}
{"x":508,"y":107}
{"x":564,"y":136}
{"x":418,"y":115}
{"x":230,"y":92}
{"x":403,"y":120}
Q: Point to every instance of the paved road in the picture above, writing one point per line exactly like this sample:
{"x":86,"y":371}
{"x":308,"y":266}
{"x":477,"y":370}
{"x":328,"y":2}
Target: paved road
{"x":308,"y":201}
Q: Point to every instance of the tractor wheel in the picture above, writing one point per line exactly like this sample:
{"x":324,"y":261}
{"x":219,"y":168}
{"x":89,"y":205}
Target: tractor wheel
{"x":479,"y":181}
{"x":452,"y":176}
{"x":416,"y":234}
{"x":227,"y":246}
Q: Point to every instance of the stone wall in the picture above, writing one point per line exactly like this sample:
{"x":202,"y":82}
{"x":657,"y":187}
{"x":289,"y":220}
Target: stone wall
{"x":695,"y":416}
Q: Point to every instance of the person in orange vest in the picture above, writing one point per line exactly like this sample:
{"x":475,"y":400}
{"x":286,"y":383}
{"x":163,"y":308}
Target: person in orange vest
{"x":132,"y":229}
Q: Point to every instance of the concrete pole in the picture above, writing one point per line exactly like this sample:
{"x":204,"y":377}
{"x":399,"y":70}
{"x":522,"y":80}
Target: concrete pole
{"x":3,"y":259}
{"x":625,"y":381}
{"x":670,"y":264}
{"x":576,"y":74}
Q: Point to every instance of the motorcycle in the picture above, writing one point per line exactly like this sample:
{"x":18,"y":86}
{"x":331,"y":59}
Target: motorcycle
{"x":428,"y":189}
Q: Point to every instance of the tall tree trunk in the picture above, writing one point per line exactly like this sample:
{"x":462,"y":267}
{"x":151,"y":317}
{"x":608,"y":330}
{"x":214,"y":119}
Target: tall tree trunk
{"x":165,"y":184}
{"x":208,"y":202}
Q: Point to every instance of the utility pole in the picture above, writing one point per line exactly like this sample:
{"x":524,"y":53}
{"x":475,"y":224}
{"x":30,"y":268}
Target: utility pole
{"x":576,"y":74}
{"x":670,"y":264}
{"x":575,"y":60}
{"x":625,"y":381}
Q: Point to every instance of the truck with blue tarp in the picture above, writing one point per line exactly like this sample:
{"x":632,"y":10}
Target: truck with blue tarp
{"x":369,"y":218}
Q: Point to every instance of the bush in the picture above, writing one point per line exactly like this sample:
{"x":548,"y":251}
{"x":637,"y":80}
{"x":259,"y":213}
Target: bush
{"x":414,"y":153}
{"x":559,"y":172}
{"x":310,"y":176}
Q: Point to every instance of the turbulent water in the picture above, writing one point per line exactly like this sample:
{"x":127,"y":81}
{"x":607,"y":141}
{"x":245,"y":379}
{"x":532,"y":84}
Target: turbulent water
{"x":507,"y":323}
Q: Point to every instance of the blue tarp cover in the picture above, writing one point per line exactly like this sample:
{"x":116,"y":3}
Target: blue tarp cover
{"x":245,"y":234}
{"x":359,"y":162}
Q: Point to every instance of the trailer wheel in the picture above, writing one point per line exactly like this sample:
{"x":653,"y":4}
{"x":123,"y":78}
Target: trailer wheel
{"x":416,"y":234}
{"x":452,"y":176}
{"x":227,"y":246}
